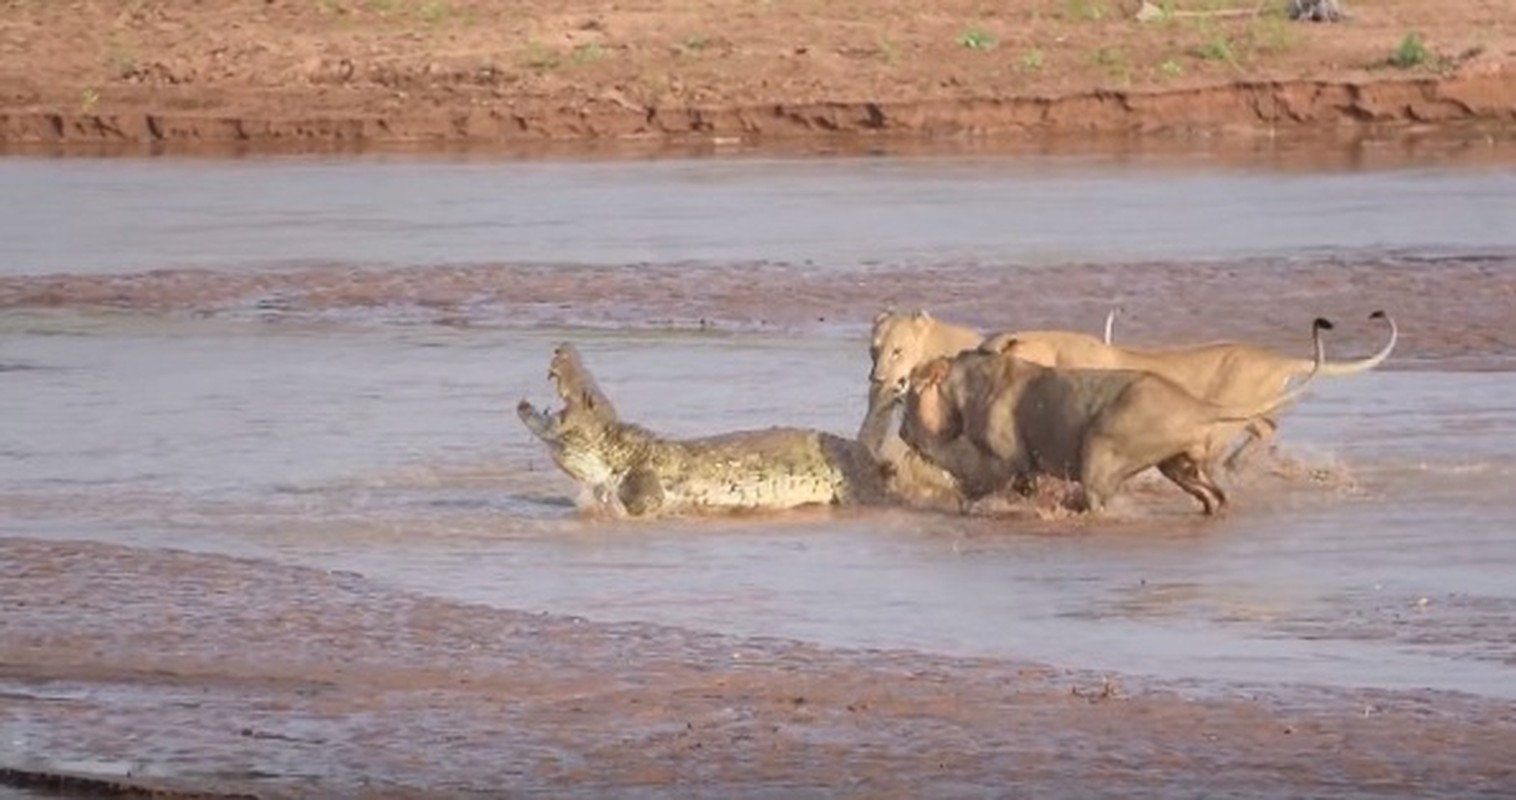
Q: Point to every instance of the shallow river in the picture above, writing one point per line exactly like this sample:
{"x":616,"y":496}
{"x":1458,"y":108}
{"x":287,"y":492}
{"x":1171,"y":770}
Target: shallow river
{"x":314,"y":361}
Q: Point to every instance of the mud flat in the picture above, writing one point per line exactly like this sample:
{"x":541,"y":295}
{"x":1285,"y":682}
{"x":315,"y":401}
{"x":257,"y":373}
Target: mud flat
{"x":278,"y":682}
{"x":352,"y":73}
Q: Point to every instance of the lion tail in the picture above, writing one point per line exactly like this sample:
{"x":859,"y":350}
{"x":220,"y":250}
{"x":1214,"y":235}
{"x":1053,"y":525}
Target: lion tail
{"x":1364,"y":365}
{"x":1264,"y":409}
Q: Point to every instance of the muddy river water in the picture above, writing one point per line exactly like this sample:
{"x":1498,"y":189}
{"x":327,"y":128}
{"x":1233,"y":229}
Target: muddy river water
{"x":268,"y":386}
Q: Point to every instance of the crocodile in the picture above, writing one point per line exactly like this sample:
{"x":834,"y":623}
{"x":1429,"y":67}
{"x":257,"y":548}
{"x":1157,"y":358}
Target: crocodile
{"x":628,"y":470}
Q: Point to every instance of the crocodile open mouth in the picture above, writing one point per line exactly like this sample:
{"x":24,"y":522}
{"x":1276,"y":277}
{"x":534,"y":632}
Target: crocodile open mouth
{"x":566,"y":373}
{"x":555,"y":373}
{"x":576,"y":387}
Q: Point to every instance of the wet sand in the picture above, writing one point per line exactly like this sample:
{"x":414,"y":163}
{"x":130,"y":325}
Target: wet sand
{"x":270,"y":527}
{"x":1457,"y":305}
{"x":360,"y":690}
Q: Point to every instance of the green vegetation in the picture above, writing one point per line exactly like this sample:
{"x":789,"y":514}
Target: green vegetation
{"x":1237,"y":39}
{"x":587,"y":53}
{"x":435,"y":10}
{"x":1087,"y":10}
{"x":122,"y":59}
{"x":1218,"y":44}
{"x":540,"y":57}
{"x":1270,"y":34}
{"x":1032,"y":61}
{"x":1410,"y":52}
{"x":429,"y":11}
{"x":1114,"y":62}
{"x":975,"y":39}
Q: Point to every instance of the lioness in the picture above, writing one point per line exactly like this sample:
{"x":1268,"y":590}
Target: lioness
{"x":991,"y":418}
{"x":1230,"y":374}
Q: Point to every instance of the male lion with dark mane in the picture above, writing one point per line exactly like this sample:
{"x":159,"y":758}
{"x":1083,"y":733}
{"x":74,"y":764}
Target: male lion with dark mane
{"x":901,"y":341}
{"x":1231,"y":374}
{"x":991,"y":418}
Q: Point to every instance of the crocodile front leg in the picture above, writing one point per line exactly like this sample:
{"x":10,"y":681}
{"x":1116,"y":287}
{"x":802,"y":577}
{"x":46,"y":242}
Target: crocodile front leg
{"x":641,"y":492}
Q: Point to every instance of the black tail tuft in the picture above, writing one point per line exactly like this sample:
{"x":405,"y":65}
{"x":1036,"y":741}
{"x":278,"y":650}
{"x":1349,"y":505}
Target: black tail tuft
{"x":1377,"y":315}
{"x":1322,"y":324}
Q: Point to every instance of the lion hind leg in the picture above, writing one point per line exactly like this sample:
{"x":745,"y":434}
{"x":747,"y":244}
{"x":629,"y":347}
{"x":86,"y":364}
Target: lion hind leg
{"x":1187,"y":474}
{"x":1104,"y":471}
{"x":1259,"y":432}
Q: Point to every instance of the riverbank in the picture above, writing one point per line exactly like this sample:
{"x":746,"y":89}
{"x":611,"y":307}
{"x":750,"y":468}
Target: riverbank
{"x":482,"y":71}
{"x":251,"y":692}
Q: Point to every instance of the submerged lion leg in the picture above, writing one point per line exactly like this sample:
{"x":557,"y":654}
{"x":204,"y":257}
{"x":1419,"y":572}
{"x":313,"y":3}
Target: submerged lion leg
{"x":1259,"y":433}
{"x":1186,"y":473}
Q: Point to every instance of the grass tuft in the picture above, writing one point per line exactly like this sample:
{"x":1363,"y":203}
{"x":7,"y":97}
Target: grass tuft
{"x":1087,"y":10}
{"x":1411,"y":52}
{"x":975,"y":39}
{"x":587,"y":53}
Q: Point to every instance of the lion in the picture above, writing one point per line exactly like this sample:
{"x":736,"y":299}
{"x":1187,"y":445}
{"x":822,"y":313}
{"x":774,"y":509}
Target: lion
{"x":993,"y":419}
{"x":1231,"y":374}
{"x":902,"y":341}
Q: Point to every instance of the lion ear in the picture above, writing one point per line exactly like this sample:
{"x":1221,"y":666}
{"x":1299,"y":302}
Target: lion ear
{"x":999,"y":344}
{"x":921,"y":376}
{"x":884,"y":315}
{"x":937,"y":371}
{"x":922,"y":314}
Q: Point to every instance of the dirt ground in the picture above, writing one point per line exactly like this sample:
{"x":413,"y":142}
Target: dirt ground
{"x":374,"y":71}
